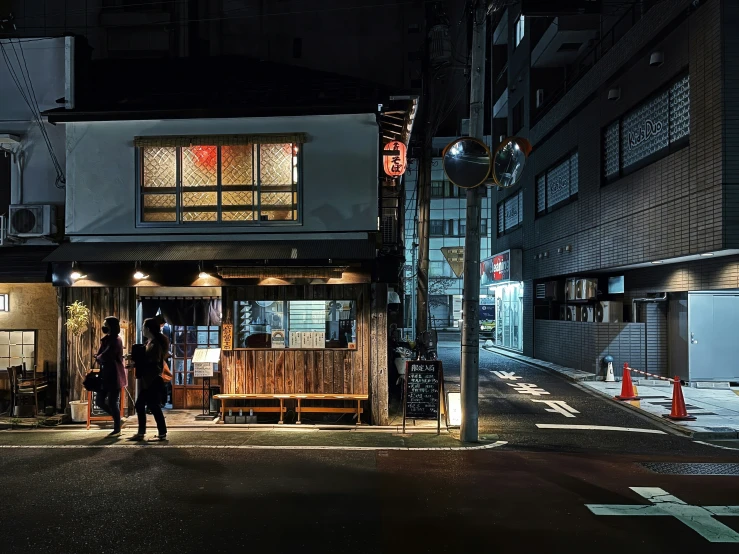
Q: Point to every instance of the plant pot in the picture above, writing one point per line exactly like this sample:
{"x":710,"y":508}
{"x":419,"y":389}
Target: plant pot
{"x":79,"y":410}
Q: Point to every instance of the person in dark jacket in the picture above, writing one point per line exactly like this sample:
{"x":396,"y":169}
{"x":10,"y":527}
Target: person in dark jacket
{"x":112,"y":371}
{"x":149,"y":369}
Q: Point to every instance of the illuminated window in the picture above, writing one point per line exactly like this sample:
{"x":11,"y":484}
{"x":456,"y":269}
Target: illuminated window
{"x":18,"y":348}
{"x":520,"y":30}
{"x":251,"y":183}
{"x":4,"y":303}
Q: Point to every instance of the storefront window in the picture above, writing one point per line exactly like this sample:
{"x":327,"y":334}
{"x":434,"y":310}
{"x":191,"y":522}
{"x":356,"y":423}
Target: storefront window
{"x":313,"y":323}
{"x":509,"y":315}
{"x":184,"y":342}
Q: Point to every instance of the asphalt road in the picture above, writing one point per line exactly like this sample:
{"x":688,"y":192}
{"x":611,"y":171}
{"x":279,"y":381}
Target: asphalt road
{"x":530,"y":495}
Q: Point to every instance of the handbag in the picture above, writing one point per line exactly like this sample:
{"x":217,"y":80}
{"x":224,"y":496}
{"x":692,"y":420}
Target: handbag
{"x":166,"y":373}
{"x":93,"y":382}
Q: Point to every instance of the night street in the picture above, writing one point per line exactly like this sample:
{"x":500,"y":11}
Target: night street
{"x":528,"y":494}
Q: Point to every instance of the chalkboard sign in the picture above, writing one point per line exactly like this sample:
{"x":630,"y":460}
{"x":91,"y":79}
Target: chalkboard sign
{"x":424,"y":380}
{"x":97,"y":411}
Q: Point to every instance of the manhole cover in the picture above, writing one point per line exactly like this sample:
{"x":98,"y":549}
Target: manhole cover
{"x":692,"y":469}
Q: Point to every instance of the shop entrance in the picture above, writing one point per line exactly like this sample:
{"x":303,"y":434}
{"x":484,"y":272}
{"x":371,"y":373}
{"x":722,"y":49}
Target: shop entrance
{"x":509,"y":315}
{"x":191,"y":321}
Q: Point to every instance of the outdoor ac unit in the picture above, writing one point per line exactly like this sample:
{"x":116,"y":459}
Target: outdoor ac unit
{"x":563,"y":313}
{"x":585,"y":289}
{"x":587,"y":313}
{"x":539,"y":97}
{"x":573,"y":313}
{"x":547,"y":291}
{"x":571,"y":289}
{"x":609,"y":312}
{"x":31,"y":220}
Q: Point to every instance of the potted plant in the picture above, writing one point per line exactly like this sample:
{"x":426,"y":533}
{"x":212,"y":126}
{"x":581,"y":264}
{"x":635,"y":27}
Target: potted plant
{"x":78,"y":319}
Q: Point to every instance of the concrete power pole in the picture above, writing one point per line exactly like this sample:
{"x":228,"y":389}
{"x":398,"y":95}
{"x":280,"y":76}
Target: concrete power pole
{"x":471,"y":293}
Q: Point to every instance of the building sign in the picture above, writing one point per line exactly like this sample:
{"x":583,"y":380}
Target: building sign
{"x":395,"y":164}
{"x":501,"y":268}
{"x":648,"y":130}
{"x":557,"y":184}
{"x":510,"y":213}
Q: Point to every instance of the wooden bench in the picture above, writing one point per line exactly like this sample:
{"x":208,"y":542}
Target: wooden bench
{"x":227,"y":398}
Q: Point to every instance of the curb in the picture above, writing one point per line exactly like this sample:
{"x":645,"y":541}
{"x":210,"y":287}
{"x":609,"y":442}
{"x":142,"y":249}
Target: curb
{"x":542,"y":367}
{"x":709,"y":435}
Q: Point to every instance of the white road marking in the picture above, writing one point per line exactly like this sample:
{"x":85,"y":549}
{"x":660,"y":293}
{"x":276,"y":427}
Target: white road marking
{"x":598,"y":428}
{"x":158,"y":446}
{"x":558,"y":407}
{"x":716,"y":445}
{"x":508,"y":375}
{"x":698,"y":518}
{"x":528,"y":388}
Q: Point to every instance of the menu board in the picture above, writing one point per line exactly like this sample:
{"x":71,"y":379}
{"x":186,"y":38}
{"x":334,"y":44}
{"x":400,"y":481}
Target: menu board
{"x":423,"y":384}
{"x":97,"y":411}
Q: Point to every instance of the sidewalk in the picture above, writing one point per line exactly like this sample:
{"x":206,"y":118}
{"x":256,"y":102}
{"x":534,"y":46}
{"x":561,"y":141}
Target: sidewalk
{"x":286,"y":438}
{"x":717,"y":410}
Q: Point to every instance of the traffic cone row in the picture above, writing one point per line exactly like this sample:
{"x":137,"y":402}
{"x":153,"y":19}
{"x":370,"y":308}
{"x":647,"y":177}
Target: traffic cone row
{"x":679,"y":412}
{"x":627,"y":386}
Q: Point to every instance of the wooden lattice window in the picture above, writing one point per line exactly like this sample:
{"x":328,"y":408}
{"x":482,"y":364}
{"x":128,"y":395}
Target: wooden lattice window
{"x":236,"y":183}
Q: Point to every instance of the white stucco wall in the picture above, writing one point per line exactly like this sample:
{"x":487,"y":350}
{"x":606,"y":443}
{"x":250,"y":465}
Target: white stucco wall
{"x":339,"y":189}
{"x":38,"y":66}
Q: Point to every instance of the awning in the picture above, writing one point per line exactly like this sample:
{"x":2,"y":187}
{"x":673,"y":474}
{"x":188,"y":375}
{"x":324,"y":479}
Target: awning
{"x":25,"y":264}
{"x":214,"y":251}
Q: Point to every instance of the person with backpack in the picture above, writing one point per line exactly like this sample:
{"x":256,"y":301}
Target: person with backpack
{"x":112,"y":372}
{"x":149,"y":362}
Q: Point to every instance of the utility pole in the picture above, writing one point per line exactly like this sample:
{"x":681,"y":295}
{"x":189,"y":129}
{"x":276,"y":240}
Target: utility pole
{"x":471,"y":294}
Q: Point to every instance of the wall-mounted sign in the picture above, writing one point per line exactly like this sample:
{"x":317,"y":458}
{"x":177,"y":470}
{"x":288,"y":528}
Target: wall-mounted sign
{"x":227,"y":336}
{"x":501,"y":268}
{"x":394,"y":159}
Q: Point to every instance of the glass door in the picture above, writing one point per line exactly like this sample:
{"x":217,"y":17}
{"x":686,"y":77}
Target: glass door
{"x":187,"y":391}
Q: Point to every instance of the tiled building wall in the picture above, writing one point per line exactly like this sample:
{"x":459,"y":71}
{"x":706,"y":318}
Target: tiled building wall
{"x":587,"y":344}
{"x":730,"y":24}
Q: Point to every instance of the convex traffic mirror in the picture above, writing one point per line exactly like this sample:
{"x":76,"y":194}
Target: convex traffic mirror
{"x":467,"y":162}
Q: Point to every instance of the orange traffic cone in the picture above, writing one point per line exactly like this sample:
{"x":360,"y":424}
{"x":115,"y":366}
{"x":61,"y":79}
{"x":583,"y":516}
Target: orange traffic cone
{"x":627,"y":387}
{"x":679,"y":411}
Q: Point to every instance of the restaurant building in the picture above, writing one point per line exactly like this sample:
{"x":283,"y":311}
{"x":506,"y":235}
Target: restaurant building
{"x":252,"y":213}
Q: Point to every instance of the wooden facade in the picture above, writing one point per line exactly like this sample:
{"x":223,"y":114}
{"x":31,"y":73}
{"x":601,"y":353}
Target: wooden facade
{"x":102,"y":302}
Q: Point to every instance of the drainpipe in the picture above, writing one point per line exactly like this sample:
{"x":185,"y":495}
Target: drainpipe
{"x":635,"y":319}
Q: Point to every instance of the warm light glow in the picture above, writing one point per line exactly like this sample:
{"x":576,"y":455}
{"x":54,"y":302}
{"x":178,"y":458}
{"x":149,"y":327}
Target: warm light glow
{"x":396,"y":164}
{"x":138,"y":275}
{"x":204,"y":275}
{"x":454,"y":408}
{"x":76,"y":275}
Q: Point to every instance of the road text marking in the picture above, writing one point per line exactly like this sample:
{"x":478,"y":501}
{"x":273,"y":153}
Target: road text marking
{"x":598,"y":428}
{"x":558,"y":407}
{"x":508,"y":375}
{"x":527,"y":388}
{"x":698,"y":518}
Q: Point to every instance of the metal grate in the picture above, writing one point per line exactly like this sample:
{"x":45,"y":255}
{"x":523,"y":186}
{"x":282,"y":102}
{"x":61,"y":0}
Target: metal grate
{"x":669,"y":468}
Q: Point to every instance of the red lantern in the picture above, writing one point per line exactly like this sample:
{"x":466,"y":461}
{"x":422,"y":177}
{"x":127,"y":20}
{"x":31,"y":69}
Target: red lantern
{"x":395,"y":164}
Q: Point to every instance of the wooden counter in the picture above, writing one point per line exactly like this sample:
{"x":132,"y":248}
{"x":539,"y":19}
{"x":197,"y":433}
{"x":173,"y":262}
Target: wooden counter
{"x":293,"y":371}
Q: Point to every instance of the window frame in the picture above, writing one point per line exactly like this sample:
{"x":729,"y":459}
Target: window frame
{"x":505,"y":231}
{"x":570,"y":198}
{"x":671,"y":148}
{"x":178,"y":224}
{"x":23,"y":343}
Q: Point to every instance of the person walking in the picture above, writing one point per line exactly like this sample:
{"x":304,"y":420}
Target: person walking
{"x":149,"y":368}
{"x":112,"y":373}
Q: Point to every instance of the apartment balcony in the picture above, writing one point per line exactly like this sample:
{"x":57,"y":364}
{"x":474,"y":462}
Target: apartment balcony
{"x":564,"y":41}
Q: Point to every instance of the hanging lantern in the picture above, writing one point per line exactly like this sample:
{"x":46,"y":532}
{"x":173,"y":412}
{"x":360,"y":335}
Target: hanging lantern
{"x":395,"y":164}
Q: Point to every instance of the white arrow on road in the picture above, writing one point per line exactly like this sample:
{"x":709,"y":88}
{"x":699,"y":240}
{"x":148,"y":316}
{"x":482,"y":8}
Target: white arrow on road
{"x":508,"y":375}
{"x":558,"y":407}
{"x":698,"y":518}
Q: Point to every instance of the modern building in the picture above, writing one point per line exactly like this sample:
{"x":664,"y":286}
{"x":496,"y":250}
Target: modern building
{"x":447,"y":230}
{"x":626,"y":215}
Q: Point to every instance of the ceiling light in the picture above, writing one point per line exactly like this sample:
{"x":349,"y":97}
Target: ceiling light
{"x":76,"y":274}
{"x":707,"y":254}
{"x":202,"y":274}
{"x":138,"y":275}
{"x":657,"y":262}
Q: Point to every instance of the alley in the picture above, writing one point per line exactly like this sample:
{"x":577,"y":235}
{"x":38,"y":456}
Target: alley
{"x":531,"y":408}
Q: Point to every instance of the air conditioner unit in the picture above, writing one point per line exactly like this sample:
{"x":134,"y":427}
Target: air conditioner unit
{"x":539,"y":97}
{"x":573,"y":313}
{"x":547,"y":291}
{"x":609,"y":312}
{"x":563,"y":313}
{"x":585,"y":289}
{"x":31,"y":220}
{"x":587,"y":313}
{"x":570,"y":289}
